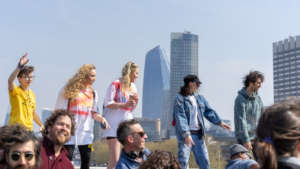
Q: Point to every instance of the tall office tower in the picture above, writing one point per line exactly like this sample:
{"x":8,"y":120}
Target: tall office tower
{"x":156,"y":87}
{"x":184,"y":61}
{"x":286,"y":68}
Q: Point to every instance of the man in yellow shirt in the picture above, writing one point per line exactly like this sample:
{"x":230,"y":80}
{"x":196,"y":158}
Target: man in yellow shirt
{"x":22,"y":99}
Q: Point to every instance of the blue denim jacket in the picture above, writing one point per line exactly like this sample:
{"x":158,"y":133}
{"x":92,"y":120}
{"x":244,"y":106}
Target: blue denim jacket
{"x":181,"y":114}
{"x":125,"y":162}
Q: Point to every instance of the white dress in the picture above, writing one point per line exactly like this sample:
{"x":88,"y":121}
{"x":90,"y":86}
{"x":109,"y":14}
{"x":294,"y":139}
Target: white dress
{"x":115,"y":116}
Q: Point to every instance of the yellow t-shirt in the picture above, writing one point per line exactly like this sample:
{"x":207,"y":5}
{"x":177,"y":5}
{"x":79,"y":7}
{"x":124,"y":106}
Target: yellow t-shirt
{"x":23,"y":106}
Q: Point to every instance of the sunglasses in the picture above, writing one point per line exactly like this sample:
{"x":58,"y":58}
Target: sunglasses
{"x":141,"y":133}
{"x":16,"y":155}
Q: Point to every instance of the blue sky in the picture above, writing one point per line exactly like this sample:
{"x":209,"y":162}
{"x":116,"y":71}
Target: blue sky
{"x":60,"y":35}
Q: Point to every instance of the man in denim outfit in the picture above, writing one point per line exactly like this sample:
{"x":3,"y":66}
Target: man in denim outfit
{"x":190,"y":108}
{"x":132,"y":136}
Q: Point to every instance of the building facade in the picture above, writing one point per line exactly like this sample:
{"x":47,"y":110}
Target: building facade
{"x":286,"y":68}
{"x":184,"y":61}
{"x":156,"y":87}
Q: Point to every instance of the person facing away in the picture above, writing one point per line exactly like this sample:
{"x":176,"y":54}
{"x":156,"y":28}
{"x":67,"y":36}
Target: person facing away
{"x":189,"y":111}
{"x":20,"y":148}
{"x":278,"y":136}
{"x":58,"y":129}
{"x":247,"y":109}
{"x":159,"y":159}
{"x":79,"y":98}
{"x":132,"y":136}
{"x":120,"y":100}
{"x":22,"y":99}
{"x":240,"y":158}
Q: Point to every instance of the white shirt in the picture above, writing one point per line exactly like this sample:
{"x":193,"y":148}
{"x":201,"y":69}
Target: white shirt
{"x":194,"y":123}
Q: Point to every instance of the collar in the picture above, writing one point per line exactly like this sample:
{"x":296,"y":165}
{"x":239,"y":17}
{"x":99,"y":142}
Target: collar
{"x":49,"y":147}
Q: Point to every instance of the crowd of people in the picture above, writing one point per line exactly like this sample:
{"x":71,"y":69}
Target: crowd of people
{"x":271,"y":135}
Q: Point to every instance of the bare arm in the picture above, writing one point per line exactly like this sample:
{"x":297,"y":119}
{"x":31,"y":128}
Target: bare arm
{"x":23,"y":60}
{"x":37,"y":119}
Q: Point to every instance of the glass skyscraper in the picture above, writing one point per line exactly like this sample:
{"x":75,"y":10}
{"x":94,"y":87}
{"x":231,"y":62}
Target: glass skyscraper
{"x":286,"y":68}
{"x":184,"y":61}
{"x":156,"y":87}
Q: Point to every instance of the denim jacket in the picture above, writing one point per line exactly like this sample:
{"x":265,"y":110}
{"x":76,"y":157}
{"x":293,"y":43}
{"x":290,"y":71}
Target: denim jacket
{"x":126,"y":162}
{"x":181,"y":114}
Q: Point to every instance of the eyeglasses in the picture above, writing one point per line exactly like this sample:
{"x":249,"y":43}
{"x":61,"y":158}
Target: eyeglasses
{"x":28,"y":77}
{"x":141,"y":133}
{"x":16,"y":155}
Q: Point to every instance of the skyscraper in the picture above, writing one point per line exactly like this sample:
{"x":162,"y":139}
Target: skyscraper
{"x":286,"y":68}
{"x":184,"y":61}
{"x":156,"y":87}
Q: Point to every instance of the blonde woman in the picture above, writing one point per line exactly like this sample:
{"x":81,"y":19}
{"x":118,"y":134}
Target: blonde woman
{"x":79,"y":98}
{"x":120,"y":100}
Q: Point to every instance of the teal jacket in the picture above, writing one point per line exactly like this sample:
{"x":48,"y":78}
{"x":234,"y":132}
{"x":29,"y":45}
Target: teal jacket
{"x":247,"y":111}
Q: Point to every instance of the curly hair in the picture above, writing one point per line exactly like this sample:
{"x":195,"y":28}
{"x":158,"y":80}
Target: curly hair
{"x":77,"y":82}
{"x":54,"y":116}
{"x":278,"y":133}
{"x":252,"y":77}
{"x":159,"y":159}
{"x":128,"y":68}
{"x":16,"y":134}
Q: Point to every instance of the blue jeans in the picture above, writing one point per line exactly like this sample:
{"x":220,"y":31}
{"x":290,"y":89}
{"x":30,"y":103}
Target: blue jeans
{"x":199,"y":150}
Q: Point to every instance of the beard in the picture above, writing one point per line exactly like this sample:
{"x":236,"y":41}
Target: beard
{"x":22,"y":167}
{"x":59,"y":137}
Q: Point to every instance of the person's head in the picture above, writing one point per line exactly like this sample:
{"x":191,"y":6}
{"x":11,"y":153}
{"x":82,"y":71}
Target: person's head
{"x":159,"y":159}
{"x":21,"y":148}
{"x":239,"y":151}
{"x":278,"y":133}
{"x":130,"y":72}
{"x":84,"y":77}
{"x":59,"y":127}
{"x":191,"y":85}
{"x":131,"y":135}
{"x":253,"y":80}
{"x":25,"y":76}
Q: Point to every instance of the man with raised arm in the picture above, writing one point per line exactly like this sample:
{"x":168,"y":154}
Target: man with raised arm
{"x":22,"y":99}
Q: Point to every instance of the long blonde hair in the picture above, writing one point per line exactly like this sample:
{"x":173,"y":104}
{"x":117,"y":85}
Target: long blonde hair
{"x":126,"y":71}
{"x":77,"y":82}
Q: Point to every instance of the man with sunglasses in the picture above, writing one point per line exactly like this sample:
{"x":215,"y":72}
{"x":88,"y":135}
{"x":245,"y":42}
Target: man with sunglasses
{"x":190,"y":108}
{"x":132,"y":136}
{"x":58,"y":129}
{"x":22,"y":99}
{"x":20,"y":148}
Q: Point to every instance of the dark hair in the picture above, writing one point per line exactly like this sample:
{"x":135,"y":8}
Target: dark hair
{"x":54,"y":116}
{"x":278,"y":133}
{"x":159,"y":159}
{"x":26,"y":70}
{"x":184,"y":90}
{"x":124,"y":130}
{"x":252,"y":77}
{"x":16,"y":134}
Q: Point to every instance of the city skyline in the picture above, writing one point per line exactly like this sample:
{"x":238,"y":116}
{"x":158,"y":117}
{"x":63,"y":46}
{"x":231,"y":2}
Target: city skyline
{"x":286,"y":68}
{"x":156,"y":87}
{"x":59,"y":36}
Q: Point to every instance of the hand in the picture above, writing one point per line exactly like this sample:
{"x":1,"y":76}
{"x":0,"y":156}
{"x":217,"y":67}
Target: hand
{"x":189,"y":141}
{"x":130,"y":103}
{"x":248,"y":145}
{"x":23,"y":60}
{"x":101,"y":119}
{"x":225,"y":126}
{"x":42,"y":127}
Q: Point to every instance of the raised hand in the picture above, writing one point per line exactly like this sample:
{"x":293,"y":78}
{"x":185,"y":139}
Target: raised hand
{"x":23,"y":60}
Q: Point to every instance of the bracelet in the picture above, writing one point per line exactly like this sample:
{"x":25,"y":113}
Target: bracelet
{"x":20,"y":67}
